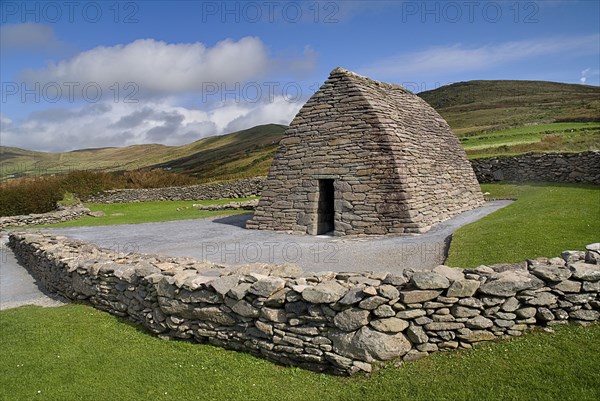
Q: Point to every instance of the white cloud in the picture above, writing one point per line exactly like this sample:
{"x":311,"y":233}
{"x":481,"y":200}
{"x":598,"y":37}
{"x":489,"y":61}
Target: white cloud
{"x":160,"y":68}
{"x":588,"y":73}
{"x":123,"y":124}
{"x":460,"y":58}
{"x":29,"y":37}
{"x":167,"y":76}
{"x":5,"y":124}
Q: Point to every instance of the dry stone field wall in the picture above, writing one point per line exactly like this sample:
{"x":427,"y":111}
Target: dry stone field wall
{"x":581,"y":167}
{"x":243,"y":188}
{"x":65,"y":214}
{"x":336,"y":322}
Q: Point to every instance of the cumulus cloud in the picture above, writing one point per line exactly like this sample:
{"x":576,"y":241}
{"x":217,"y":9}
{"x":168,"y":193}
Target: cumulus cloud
{"x":123,"y":124}
{"x":459,"y":58}
{"x":165,"y":77}
{"x":29,"y":37}
{"x":161,"y":68}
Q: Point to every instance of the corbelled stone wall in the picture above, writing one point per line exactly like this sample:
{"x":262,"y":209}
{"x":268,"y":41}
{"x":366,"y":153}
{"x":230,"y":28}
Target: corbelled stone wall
{"x":64,"y":214}
{"x":581,"y":167}
{"x":396,"y":165}
{"x":242,"y":188}
{"x":338,"y":322}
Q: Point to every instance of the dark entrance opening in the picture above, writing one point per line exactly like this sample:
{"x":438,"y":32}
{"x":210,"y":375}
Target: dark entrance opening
{"x":325,"y":210}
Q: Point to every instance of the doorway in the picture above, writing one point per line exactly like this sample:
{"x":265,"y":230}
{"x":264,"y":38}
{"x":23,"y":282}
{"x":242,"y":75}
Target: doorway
{"x":325,"y":209}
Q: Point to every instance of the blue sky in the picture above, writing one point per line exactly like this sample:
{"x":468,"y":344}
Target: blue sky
{"x":93,"y":74}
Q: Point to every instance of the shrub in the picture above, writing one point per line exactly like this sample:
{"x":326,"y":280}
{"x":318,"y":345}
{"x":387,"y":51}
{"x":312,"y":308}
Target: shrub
{"x":85,"y":182}
{"x":40,"y":194}
{"x":155,"y":179}
{"x":37,"y":195}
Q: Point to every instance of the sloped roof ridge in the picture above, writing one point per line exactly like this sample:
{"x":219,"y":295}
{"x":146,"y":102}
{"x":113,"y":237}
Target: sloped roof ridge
{"x":372,"y":82}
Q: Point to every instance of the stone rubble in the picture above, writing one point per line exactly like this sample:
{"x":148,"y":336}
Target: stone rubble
{"x":336,"y":322}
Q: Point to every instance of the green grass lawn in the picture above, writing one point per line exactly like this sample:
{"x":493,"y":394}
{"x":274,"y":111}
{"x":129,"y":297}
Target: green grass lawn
{"x":147,"y":212}
{"x":78,"y":353}
{"x":545,"y":220}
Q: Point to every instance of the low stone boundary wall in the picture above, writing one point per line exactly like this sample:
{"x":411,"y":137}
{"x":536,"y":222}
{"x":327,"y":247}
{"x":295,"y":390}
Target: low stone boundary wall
{"x":243,"y":188}
{"x":337,"y":322}
{"x":66,"y":214}
{"x":581,"y":167}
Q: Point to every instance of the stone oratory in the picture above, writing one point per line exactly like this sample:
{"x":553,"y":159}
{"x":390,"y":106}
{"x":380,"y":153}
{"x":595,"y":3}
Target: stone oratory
{"x":364,"y":157}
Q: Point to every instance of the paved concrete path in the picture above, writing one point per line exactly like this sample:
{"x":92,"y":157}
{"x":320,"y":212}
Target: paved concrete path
{"x":17,"y":287}
{"x":226,"y":241}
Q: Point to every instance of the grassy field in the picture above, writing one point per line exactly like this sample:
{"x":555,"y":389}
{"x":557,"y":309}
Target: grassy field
{"x":148,"y":212}
{"x":545,"y":220}
{"x":75,"y":352}
{"x":563,"y":137}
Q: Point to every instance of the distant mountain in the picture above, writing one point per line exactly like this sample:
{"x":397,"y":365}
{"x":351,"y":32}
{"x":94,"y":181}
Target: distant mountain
{"x":469,"y":107}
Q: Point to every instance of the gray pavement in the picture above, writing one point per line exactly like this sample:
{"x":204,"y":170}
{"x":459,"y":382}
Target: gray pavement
{"x":226,"y":241}
{"x":17,"y":287}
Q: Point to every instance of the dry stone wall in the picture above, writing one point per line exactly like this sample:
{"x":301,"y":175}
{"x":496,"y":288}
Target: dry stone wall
{"x":336,"y":322}
{"x":581,"y":167}
{"x":64,"y":214}
{"x":243,"y":188}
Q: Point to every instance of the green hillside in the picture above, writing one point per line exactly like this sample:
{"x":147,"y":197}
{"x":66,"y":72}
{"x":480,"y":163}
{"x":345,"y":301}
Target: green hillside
{"x":225,"y":154}
{"x":246,"y":153}
{"x":479,"y":106}
{"x":490,"y":118}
